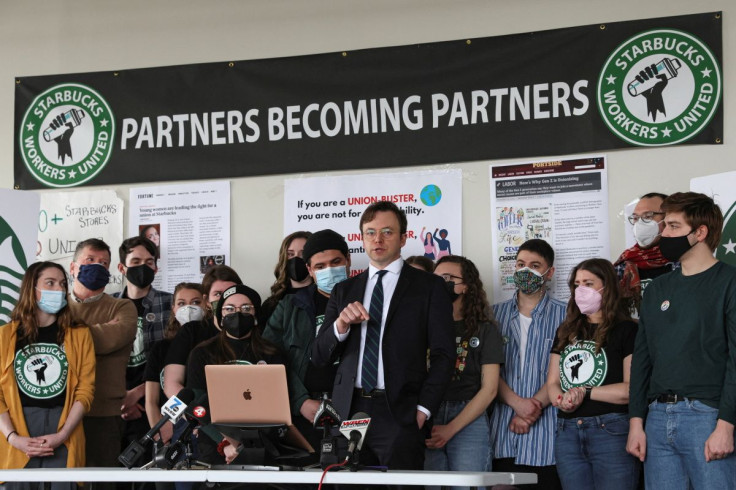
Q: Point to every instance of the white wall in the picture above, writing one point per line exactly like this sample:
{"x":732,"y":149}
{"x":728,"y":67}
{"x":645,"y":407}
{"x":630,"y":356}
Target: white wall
{"x":66,"y":36}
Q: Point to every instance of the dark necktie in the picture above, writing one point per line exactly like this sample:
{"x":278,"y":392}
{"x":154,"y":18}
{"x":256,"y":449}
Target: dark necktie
{"x":369,"y":374}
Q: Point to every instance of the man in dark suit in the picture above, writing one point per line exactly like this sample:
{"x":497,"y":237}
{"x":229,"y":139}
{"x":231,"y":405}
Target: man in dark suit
{"x":385,"y":325}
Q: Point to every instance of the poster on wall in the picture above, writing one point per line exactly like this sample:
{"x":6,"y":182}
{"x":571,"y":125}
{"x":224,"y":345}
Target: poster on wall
{"x":67,"y":218}
{"x":18,"y":234}
{"x":562,"y":201}
{"x":190,"y":225}
{"x":432,"y":201}
{"x":722,"y":188}
{"x":639,"y":83}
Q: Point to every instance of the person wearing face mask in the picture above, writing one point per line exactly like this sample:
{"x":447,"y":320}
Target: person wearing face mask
{"x":460,"y":433}
{"x":523,"y":422}
{"x":214,"y":283}
{"x":47,"y":378}
{"x":138,"y":266}
{"x":588,"y":382}
{"x":296,"y":322}
{"x":187,"y":307}
{"x":291,"y":271}
{"x":639,"y":265}
{"x":683,"y":375}
{"x":239,"y":342}
{"x":112,"y":323}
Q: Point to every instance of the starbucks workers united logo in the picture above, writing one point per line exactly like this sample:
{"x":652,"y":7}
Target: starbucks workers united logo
{"x":660,"y":87}
{"x":41,"y":370}
{"x":581,"y":365}
{"x":66,"y":136}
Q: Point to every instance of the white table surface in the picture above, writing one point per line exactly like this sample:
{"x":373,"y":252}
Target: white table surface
{"x":363,"y":477}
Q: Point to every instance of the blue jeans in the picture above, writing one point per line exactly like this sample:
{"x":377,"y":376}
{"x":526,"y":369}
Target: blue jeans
{"x":469,"y":450}
{"x":591,"y":453}
{"x":676,"y":435}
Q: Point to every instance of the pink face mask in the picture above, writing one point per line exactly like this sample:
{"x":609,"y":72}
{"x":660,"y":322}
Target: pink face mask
{"x":588,"y":299}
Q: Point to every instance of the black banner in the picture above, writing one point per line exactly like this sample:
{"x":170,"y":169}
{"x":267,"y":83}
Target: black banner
{"x":649,"y":82}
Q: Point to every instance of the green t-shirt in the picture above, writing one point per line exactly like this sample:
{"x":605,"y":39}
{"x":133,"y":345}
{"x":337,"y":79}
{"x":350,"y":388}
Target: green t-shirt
{"x":687,"y":341}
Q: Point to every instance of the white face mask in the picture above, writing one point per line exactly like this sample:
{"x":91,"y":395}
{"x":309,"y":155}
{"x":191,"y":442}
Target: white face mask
{"x":189,"y":313}
{"x":646,"y":233}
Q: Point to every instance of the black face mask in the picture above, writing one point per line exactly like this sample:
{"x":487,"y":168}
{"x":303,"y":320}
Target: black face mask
{"x":674,"y":247}
{"x":239,"y":324}
{"x":296,"y":269}
{"x":140,"y":276}
{"x":450,"y":287}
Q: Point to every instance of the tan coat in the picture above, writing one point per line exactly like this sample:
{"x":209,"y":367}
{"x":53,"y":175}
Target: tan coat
{"x":113,"y":324}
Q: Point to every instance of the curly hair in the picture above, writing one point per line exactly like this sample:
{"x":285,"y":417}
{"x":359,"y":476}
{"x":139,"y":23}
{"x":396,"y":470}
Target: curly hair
{"x":476,"y":309}
{"x":613,"y":306}
{"x":24,"y":313}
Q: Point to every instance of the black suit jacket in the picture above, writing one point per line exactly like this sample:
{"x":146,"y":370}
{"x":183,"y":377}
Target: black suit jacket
{"x":419,"y":319}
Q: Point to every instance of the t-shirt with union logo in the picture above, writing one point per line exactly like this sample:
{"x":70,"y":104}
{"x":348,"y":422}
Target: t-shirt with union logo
{"x":41,"y":370}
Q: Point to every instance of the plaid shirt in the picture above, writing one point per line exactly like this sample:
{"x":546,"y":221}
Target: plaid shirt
{"x":156,"y":311}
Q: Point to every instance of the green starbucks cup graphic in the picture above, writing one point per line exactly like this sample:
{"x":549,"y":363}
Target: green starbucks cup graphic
{"x":667,"y":67}
{"x":69,"y":120}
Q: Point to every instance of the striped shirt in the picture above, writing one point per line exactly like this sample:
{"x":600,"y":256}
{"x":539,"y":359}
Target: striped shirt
{"x":537,"y":447}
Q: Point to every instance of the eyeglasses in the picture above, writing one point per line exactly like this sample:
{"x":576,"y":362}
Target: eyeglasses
{"x":450,"y":277}
{"x":371,"y":234}
{"x":230,"y":309}
{"x":645,"y":218}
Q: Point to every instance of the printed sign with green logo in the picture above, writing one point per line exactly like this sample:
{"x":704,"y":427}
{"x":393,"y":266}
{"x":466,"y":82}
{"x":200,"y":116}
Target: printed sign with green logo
{"x":660,"y":87}
{"x":12,"y":268}
{"x":66,"y":137}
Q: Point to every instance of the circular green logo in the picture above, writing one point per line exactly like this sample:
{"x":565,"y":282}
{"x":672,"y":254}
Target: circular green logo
{"x":660,"y":87}
{"x":41,"y":370}
{"x":11,"y":274}
{"x":430,"y":195}
{"x":581,"y":366}
{"x":66,"y":136}
{"x":138,"y":354}
{"x":726,"y":250}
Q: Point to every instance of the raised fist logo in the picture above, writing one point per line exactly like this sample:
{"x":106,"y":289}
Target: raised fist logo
{"x":39,"y":367}
{"x":651,"y":82}
{"x":61,"y":130}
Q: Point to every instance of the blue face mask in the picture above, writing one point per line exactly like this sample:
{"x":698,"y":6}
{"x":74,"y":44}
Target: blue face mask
{"x":328,"y":277}
{"x":93,"y":276}
{"x":51,"y":302}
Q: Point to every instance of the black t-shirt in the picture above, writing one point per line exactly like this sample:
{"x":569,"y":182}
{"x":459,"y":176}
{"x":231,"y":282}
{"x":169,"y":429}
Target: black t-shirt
{"x":137,"y":360}
{"x":472,"y":353}
{"x":187,"y":338}
{"x":320,"y":379}
{"x":581,"y":366}
{"x":42,"y":369}
{"x":155,"y":366}
{"x":201,"y":357}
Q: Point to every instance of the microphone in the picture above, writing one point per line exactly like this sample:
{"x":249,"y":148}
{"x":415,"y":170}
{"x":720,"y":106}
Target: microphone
{"x":199,"y":410}
{"x":355,"y":429}
{"x":326,"y":415}
{"x":195,"y":415}
{"x":172,"y":411}
{"x":327,"y":418}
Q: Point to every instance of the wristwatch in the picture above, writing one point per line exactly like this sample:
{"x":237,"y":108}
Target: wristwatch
{"x":588,"y":389}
